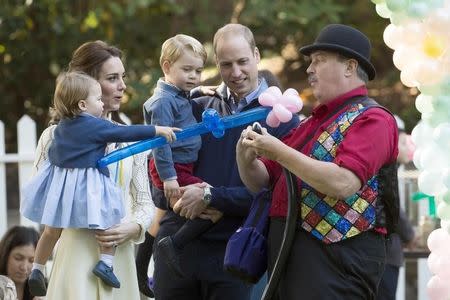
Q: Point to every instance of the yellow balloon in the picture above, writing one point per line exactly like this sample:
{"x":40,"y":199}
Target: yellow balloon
{"x":433,"y":46}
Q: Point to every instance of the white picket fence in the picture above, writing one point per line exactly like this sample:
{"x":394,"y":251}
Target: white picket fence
{"x":26,"y":132}
{"x":26,"y":147}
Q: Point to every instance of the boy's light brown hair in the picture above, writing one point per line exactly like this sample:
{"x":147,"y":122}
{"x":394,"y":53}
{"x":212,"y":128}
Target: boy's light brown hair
{"x":71,"y":87}
{"x":172,"y":48}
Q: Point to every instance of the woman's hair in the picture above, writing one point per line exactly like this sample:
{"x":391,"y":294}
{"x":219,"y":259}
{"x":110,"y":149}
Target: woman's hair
{"x":71,"y":87}
{"x":15,"y":237}
{"x":90,"y":57}
{"x":172,"y":48}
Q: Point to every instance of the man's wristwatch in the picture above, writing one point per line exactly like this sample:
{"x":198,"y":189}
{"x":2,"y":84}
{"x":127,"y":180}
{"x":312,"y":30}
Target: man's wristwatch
{"x":207,"y":195}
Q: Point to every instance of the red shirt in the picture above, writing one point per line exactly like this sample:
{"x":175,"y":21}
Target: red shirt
{"x":370,"y":143}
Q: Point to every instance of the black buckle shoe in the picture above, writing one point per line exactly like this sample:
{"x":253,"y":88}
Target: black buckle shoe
{"x":36,"y":283}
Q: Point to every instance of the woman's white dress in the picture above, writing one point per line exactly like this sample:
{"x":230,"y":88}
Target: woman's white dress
{"x":77,"y":252}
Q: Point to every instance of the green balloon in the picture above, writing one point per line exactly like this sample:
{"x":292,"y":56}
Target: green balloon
{"x":397,"y":5}
{"x":399,"y":18}
{"x":446,"y":197}
{"x":418,"y":10}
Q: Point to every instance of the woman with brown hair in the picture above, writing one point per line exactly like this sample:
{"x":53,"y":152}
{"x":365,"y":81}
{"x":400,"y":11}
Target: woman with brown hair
{"x":17,"y":249}
{"x":71,"y":276}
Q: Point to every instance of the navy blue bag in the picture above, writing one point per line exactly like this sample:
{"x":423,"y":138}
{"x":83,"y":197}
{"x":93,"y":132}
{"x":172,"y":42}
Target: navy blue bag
{"x":246,"y":252}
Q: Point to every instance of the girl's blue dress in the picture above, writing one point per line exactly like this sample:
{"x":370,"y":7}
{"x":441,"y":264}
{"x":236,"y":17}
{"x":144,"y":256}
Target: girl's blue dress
{"x":69,"y":191}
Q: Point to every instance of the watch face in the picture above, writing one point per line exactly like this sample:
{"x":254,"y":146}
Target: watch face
{"x":207,"y":196}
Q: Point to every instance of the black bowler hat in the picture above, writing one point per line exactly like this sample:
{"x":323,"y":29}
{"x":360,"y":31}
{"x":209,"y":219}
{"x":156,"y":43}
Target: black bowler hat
{"x":344,"y":40}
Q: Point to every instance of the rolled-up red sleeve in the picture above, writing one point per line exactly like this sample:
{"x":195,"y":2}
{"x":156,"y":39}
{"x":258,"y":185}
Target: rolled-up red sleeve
{"x":370,"y":142}
{"x":273,"y":168}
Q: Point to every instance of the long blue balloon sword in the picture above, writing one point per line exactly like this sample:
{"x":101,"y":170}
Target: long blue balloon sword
{"x":211,"y":123}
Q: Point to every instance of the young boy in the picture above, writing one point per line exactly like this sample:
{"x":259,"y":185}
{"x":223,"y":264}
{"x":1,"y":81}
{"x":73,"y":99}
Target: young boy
{"x":182,"y":59}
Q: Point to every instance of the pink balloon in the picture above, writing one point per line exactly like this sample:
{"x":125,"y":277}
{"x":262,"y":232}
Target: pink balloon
{"x":267,"y":99}
{"x":443,"y":268}
{"x":282,"y":113}
{"x":433,"y":262}
{"x":274,"y":91}
{"x":283,"y":105}
{"x":438,"y":240}
{"x":292,"y":103}
{"x":437,"y":289}
{"x":291,"y":92}
{"x":272,"y":120}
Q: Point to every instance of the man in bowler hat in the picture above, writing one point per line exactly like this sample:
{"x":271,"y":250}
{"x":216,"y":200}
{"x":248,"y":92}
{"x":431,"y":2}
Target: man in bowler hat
{"x":336,"y":154}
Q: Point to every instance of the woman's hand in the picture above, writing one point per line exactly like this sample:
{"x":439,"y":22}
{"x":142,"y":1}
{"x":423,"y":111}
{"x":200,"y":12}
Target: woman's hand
{"x":117,"y":234}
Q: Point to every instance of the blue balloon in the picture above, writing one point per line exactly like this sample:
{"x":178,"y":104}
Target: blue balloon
{"x":211,"y":123}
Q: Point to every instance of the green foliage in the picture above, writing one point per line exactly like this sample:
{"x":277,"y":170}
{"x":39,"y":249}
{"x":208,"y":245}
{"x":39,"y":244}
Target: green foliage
{"x":37,"y":39}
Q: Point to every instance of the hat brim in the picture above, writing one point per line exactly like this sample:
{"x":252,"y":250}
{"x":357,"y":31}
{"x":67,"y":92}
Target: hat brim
{"x":365,"y":64}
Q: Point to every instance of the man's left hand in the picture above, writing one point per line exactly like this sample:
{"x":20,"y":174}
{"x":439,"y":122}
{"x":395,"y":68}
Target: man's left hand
{"x":191,"y":203}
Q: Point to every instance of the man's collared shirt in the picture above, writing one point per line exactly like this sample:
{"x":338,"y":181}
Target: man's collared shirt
{"x":236,"y":108}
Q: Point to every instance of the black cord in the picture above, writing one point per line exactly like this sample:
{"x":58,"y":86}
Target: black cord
{"x":288,"y":237}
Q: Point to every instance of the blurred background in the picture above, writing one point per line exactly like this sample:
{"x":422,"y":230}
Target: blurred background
{"x":37,"y":39}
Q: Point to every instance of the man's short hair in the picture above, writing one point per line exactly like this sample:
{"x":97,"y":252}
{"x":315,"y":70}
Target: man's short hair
{"x":172,"y":48}
{"x":233,"y":30}
{"x":360,"y":72}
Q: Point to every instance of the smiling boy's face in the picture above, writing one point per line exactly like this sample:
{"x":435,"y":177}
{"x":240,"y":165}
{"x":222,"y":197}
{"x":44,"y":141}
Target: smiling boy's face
{"x":185,"y":72}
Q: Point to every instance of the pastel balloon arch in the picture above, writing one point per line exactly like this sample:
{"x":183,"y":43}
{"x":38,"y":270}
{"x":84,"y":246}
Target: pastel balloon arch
{"x":419,"y":34}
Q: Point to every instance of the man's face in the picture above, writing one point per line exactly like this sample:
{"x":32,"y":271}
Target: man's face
{"x":238,"y":64}
{"x":326,"y":75}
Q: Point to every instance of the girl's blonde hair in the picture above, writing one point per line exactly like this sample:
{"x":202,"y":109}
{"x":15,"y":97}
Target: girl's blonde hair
{"x":172,"y":48}
{"x":71,"y":87}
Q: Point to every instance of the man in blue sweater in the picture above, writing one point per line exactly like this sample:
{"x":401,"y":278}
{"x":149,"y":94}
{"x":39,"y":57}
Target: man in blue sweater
{"x":237,"y":58}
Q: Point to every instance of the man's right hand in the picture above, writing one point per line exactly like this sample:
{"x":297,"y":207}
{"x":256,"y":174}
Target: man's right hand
{"x":191,"y":203}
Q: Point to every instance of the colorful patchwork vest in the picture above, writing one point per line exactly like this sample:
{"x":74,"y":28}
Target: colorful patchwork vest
{"x":329,"y":219}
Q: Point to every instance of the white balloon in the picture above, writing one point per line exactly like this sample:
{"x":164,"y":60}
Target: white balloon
{"x":441,"y":135}
{"x":433,"y":158}
{"x":401,"y":56}
{"x":392,"y":36}
{"x":443,"y":211}
{"x":408,"y":76}
{"x":414,"y":33}
{"x":416,"y":158}
{"x":439,"y":22}
{"x":430,"y":182}
{"x":429,"y":72}
{"x":446,"y":177}
{"x":422,"y":134}
{"x":424,"y":104}
{"x":383,"y":11}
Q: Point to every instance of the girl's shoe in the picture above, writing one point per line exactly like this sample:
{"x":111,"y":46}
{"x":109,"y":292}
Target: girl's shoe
{"x":105,"y":273}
